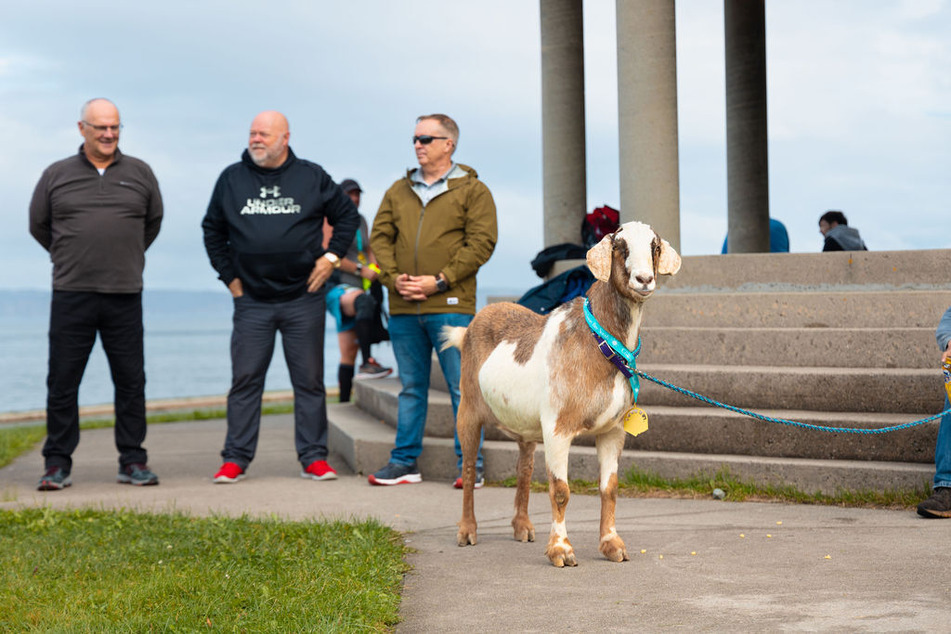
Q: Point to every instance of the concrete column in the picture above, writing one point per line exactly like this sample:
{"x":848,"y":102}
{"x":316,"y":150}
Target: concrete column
{"x":746,"y":133}
{"x":563,"y":134}
{"x":647,"y":113}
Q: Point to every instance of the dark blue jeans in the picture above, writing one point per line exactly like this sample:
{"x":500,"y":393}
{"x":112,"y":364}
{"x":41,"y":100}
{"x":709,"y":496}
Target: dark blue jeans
{"x":942,"y":451}
{"x":301,"y":324}
{"x":75,"y":318}
{"x":414,"y":337}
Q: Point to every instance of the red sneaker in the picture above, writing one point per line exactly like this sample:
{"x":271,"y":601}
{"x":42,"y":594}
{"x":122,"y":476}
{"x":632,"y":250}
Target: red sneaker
{"x":228,"y":473}
{"x":319,"y":470}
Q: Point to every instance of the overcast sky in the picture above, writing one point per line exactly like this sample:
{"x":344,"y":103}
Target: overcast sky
{"x":859,"y":110}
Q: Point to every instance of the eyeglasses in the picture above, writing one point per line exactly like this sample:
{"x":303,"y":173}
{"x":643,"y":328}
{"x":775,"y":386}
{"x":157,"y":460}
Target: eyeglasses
{"x":426,"y":139}
{"x":102,"y":128}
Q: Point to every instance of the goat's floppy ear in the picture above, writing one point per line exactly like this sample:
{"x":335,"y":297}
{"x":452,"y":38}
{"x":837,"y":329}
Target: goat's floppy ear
{"x":669,"y":262}
{"x":599,"y":258}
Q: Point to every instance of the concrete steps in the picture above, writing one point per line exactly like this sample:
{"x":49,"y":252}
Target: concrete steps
{"x":825,"y":347}
{"x":896,"y":390}
{"x":837,"y":340}
{"x":808,"y":309}
{"x":365,"y":442}
{"x":697,"y":428}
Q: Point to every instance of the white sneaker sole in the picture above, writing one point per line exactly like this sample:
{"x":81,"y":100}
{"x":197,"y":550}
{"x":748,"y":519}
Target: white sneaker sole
{"x":378,"y":375}
{"x":413,"y":478}
{"x":330,"y":475}
{"x":227,"y":480}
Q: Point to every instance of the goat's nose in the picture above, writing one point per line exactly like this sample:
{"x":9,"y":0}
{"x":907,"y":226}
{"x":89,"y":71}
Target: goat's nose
{"x":645,"y":278}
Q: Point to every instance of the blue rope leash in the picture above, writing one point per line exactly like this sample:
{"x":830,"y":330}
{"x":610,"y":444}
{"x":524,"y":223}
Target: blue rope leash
{"x":783,"y":421}
{"x":627,"y":365}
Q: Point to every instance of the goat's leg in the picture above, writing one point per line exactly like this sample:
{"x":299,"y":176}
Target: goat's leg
{"x":559,"y":550}
{"x":524,"y":530}
{"x":468,"y":427}
{"x":609,"y":447}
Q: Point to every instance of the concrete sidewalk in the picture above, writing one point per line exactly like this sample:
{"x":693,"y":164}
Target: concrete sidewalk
{"x":702,"y":565}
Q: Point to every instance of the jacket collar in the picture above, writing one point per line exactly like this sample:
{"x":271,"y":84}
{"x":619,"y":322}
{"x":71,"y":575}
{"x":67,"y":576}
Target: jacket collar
{"x":85,"y":159}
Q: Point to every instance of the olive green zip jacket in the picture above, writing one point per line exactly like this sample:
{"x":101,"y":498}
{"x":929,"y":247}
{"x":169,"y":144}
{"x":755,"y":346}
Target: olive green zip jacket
{"x":455,"y":233}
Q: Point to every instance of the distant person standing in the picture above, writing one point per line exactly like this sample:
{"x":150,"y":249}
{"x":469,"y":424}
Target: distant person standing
{"x":96,"y":213}
{"x":351,"y":303}
{"x":839,"y":236}
{"x":263,"y":233}
{"x":939,"y":504}
{"x":434,"y":229}
{"x":778,"y":238}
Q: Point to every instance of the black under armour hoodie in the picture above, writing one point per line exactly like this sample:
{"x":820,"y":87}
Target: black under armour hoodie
{"x":265,"y":226}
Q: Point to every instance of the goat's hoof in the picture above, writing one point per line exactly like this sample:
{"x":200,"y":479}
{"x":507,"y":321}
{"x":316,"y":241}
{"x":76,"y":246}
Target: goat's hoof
{"x":563,"y":559}
{"x":525,"y":535}
{"x":614,"y":550}
{"x":524,"y":532}
{"x":464,"y":538}
{"x":561,"y":555}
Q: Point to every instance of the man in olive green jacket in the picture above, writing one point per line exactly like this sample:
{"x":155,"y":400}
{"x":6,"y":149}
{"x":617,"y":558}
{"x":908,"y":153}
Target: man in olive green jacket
{"x":434,"y":229}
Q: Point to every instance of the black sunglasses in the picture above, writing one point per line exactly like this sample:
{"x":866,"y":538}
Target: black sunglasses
{"x":425,"y":139}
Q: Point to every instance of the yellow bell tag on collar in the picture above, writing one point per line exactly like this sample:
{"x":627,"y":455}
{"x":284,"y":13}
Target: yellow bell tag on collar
{"x":635,"y":421}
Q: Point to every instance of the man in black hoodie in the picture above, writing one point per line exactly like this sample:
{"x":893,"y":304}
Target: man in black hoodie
{"x":263,"y":233}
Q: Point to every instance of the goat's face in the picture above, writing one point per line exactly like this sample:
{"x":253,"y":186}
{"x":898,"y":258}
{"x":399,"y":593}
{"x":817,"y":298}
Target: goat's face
{"x":631,"y":258}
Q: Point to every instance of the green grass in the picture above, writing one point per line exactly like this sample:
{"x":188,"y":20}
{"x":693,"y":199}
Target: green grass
{"x":18,"y":440}
{"x":638,"y":483}
{"x":92,"y":571}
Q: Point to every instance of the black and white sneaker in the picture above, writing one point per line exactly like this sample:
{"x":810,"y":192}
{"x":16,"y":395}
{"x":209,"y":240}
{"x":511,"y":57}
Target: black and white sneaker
{"x":372,"y":370}
{"x":54,"y":479}
{"x":136,"y":474}
{"x":396,"y":474}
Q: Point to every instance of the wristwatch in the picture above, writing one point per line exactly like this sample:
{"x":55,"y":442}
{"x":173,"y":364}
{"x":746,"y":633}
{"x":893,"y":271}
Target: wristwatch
{"x":334,"y":259}
{"x":441,"y":285}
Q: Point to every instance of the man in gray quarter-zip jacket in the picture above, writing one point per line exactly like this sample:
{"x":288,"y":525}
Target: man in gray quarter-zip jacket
{"x":96,"y":213}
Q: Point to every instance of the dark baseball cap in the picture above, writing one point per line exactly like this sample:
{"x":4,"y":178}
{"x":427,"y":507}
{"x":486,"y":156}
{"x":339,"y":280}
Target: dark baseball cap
{"x":348,"y":185}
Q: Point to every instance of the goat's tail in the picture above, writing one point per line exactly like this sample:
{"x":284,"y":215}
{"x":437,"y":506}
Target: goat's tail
{"x":452,"y":337}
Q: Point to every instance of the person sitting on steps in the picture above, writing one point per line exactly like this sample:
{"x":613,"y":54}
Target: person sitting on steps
{"x":352,"y":305}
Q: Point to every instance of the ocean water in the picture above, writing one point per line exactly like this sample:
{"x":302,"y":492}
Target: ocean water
{"x":187,"y":349}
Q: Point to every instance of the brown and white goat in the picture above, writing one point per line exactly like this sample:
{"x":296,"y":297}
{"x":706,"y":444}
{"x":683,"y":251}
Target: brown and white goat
{"x":544,"y":379}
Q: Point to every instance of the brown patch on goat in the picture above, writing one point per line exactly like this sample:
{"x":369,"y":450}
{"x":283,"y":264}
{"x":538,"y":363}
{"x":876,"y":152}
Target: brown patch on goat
{"x":608,"y":504}
{"x":611,"y":544}
{"x":560,"y":493}
{"x":559,"y":549}
{"x":510,"y":323}
{"x":591,"y":383}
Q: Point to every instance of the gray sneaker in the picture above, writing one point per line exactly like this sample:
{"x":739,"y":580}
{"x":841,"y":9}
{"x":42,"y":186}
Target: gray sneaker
{"x":54,"y":479}
{"x":137,"y":474}
{"x":938,"y":505}
{"x":372,"y":370}
{"x":394,"y":473}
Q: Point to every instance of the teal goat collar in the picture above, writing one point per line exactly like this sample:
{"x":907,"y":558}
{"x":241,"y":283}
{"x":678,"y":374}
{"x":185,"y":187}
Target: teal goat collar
{"x":613,"y":350}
